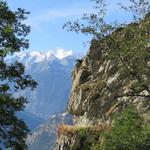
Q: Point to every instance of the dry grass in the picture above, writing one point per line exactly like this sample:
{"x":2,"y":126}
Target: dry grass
{"x":66,"y":130}
{"x":72,"y":130}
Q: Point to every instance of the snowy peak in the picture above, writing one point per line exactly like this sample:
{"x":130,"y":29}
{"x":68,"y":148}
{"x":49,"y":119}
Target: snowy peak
{"x":61,"y":53}
{"x":38,"y":56}
{"x":52,"y":71}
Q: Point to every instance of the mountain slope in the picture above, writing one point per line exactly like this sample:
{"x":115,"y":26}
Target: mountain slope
{"x":30,"y":119}
{"x":52,"y":71}
{"x":44,"y":136}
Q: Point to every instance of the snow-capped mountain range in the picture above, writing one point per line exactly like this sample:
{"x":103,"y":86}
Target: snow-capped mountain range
{"x":40,"y":56}
{"x":52,"y":71}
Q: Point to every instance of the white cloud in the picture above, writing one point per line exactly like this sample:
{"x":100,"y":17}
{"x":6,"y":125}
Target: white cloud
{"x":36,"y":21}
{"x":50,"y":15}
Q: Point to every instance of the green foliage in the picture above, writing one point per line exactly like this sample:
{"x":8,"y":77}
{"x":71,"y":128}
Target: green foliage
{"x":12,"y":130}
{"x":129,"y":47}
{"x":129,"y":132}
{"x":13,"y":34}
{"x":86,"y":139}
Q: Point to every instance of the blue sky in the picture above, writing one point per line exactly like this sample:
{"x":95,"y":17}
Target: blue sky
{"x":48,"y":16}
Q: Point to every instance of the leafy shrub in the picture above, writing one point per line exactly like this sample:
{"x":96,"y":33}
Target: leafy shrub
{"x":129,"y":132}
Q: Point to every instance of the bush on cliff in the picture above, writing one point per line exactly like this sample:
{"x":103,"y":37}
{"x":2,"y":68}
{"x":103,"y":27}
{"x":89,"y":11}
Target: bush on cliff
{"x":129,"y":132}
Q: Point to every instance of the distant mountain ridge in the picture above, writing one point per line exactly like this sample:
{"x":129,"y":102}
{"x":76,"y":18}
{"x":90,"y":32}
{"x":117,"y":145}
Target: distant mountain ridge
{"x":52,"y":71}
{"x":44,"y":136}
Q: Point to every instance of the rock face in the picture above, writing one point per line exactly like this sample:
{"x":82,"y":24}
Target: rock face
{"x":95,"y":96}
{"x":92,"y":99}
{"x":106,"y":81}
{"x":65,"y":143}
{"x":97,"y":88}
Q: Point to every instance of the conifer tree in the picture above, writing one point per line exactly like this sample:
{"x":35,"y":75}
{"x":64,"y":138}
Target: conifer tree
{"x":13,"y":34}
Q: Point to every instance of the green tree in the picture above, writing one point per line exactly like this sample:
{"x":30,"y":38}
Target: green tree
{"x":13,"y":34}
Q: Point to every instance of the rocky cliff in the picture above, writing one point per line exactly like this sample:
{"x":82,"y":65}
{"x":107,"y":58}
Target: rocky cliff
{"x":96,"y":96}
{"x":92,"y":98}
